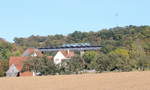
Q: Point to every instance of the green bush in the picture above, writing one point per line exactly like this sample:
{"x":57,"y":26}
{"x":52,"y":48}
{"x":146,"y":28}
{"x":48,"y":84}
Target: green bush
{"x":72,"y":66}
{"x":40,"y":64}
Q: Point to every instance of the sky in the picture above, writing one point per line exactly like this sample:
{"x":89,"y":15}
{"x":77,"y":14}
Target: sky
{"x":23,"y":18}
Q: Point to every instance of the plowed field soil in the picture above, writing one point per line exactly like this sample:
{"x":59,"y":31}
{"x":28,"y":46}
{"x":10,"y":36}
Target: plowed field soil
{"x":104,"y":81}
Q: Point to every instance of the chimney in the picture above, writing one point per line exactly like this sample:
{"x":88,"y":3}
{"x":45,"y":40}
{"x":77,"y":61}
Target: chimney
{"x":68,"y":51}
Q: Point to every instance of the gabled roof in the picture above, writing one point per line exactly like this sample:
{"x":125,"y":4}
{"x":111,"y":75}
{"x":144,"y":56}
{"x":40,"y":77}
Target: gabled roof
{"x":32,"y":52}
{"x":68,"y":54}
{"x":17,"y":61}
{"x":59,"y":55}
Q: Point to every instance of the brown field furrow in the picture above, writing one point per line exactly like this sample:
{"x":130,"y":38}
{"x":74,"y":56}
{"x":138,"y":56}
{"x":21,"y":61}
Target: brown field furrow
{"x":104,"y":81}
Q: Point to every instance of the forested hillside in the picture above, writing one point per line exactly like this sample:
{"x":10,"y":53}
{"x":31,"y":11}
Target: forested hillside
{"x":111,"y":39}
{"x":124,"y":48}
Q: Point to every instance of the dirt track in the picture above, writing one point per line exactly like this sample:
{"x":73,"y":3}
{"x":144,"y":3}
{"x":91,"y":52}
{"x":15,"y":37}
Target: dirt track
{"x":104,"y":81}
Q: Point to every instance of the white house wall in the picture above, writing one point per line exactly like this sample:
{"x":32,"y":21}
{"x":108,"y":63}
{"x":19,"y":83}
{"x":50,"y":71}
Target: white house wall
{"x":59,"y":57}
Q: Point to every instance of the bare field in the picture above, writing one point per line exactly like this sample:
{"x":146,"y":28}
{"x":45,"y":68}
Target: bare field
{"x":104,"y":81}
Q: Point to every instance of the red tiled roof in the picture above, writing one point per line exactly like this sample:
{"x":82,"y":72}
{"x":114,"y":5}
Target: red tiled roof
{"x":17,"y":61}
{"x":31,"y":51}
{"x":50,"y":57}
{"x":68,"y":54}
{"x":27,"y":73}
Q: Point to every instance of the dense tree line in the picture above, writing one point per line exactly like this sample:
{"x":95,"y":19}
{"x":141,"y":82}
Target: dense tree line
{"x":117,"y":60}
{"x":124,"y":49}
{"x":6,"y":50}
{"x":109,"y":38}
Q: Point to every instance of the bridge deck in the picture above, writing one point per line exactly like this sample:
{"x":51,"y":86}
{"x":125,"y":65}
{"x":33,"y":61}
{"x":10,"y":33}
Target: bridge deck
{"x":76,"y":48}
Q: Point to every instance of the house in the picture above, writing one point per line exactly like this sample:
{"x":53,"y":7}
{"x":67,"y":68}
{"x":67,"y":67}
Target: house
{"x":62,"y":55}
{"x":32,"y":52}
{"x":16,"y":63}
{"x":12,"y":71}
{"x":16,"y":66}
